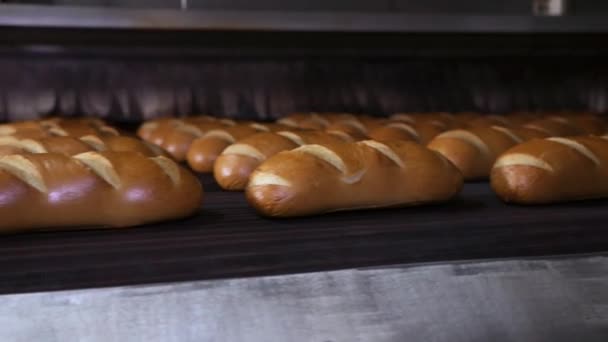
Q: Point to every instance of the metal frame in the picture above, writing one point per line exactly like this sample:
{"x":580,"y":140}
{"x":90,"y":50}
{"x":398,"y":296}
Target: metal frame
{"x":176,"y":19}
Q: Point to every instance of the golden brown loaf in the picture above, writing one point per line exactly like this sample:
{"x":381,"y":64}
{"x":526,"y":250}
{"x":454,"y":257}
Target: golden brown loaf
{"x":115,"y":189}
{"x":552,"y":170}
{"x":314,"y":179}
{"x":233,"y":167}
{"x":474,"y":150}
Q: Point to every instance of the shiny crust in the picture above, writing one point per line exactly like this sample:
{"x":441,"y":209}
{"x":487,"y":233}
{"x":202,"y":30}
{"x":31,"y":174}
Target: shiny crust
{"x":99,"y":189}
{"x":552,"y":170}
{"x":233,"y":167}
{"x":315,"y":179}
{"x":474,"y":150}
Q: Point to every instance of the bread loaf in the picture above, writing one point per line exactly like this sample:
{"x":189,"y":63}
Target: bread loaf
{"x":233,"y":167}
{"x":314,"y":179}
{"x":474,"y":150}
{"x":552,"y":170}
{"x":107,"y":189}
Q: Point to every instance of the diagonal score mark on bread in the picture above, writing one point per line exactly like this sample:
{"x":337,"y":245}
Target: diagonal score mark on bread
{"x":259,"y":127}
{"x":509,"y":133}
{"x":580,"y":148}
{"x":155,"y":149}
{"x":342,"y":135}
{"x":406,"y":128}
{"x":330,"y":157}
{"x":324,"y":154}
{"x":319,"y":119}
{"x":23,"y":169}
{"x":220,"y":134}
{"x":94,"y":142}
{"x":227,"y":122}
{"x":149,"y":126}
{"x":355,"y":124}
{"x":288,"y":122}
{"x":58,"y":131}
{"x":521,"y":159}
{"x":498,"y":118}
{"x":384,"y":150}
{"x":438,"y":124}
{"x":266,"y":178}
{"x":296,"y":139}
{"x":539,"y":128}
{"x":169,"y":167}
{"x":403,"y":118}
{"x":244,"y":150}
{"x":101,"y":166}
{"x":27,"y":145}
{"x":108,"y":130}
{"x":188,"y":128}
{"x":559,"y":119}
{"x":467,"y":137}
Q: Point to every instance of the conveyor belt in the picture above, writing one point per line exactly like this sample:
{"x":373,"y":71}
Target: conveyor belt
{"x":227,"y":239}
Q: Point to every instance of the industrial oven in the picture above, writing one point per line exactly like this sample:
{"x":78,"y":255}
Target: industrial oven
{"x":473,"y":269}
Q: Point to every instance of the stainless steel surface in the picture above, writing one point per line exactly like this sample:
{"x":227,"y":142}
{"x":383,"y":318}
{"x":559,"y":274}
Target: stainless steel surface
{"x":175,"y":19}
{"x":515,"y":300}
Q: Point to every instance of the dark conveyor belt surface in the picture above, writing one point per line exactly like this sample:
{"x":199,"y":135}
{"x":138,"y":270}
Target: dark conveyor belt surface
{"x":227,"y":239}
